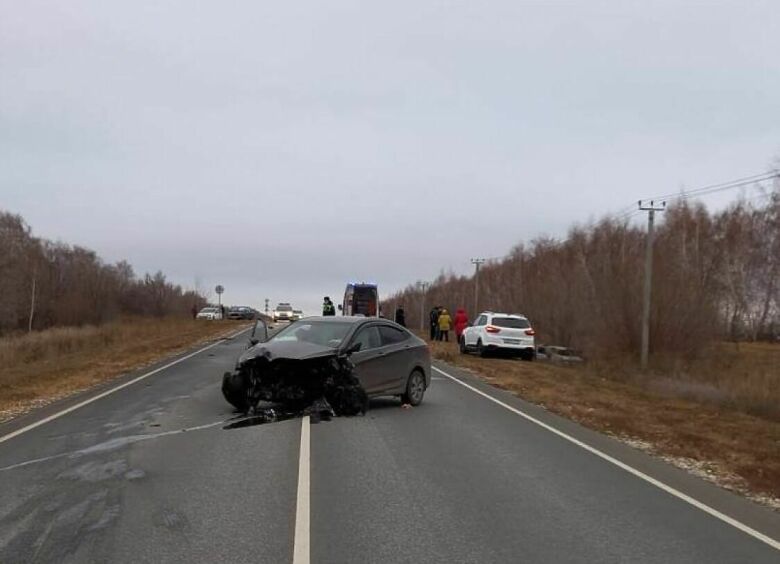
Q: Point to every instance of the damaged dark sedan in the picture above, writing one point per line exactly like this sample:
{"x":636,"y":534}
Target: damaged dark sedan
{"x":338,"y":362}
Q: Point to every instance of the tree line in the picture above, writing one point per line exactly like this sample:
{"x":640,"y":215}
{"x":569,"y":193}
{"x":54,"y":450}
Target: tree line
{"x":715,"y":275}
{"x":45,"y":284}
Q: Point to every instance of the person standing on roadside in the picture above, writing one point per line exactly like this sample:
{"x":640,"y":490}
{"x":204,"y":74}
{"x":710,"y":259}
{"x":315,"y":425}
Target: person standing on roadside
{"x":461,"y":322}
{"x":434,"y":323}
{"x":400,"y":316}
{"x":328,"y":308}
{"x":445,"y":322}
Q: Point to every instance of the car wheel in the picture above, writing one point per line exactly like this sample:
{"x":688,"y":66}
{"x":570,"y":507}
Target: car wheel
{"x":462,"y":345}
{"x":235,"y":388}
{"x":481,"y":349}
{"x":415,"y":389}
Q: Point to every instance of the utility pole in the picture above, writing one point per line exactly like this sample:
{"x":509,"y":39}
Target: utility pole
{"x":423,"y":287}
{"x":477,"y":262}
{"x":32,"y":303}
{"x":650,"y":208}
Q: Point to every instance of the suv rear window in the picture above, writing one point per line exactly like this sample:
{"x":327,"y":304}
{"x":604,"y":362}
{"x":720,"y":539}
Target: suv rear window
{"x":511,"y":322}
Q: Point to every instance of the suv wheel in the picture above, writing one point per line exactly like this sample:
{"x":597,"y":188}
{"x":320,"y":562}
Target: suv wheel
{"x":481,"y":349}
{"x":462,"y":345}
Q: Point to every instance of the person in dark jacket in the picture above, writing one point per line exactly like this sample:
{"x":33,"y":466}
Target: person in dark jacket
{"x":328,"y":308}
{"x":434,"y":320}
{"x":400,"y":316}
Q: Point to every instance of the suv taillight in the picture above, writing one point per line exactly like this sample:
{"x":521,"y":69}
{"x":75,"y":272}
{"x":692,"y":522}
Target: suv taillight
{"x":530,"y":332}
{"x":492,"y":329}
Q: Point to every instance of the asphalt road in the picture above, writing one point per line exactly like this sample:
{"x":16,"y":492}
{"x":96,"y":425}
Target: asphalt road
{"x":149,"y":474}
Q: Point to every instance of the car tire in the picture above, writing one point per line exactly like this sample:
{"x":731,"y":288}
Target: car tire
{"x":415,"y":389}
{"x":481,"y":349}
{"x":462,"y":345}
{"x":235,"y":388}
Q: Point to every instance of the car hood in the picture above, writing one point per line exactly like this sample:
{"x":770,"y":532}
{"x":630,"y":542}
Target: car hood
{"x":291,"y":350}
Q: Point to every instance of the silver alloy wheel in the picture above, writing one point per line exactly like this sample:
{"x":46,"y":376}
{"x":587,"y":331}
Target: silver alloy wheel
{"x":416,"y":388}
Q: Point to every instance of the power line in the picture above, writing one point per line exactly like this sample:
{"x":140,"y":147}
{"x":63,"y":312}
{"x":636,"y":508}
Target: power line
{"x":721,"y":186}
{"x":630,"y":211}
{"x":716,"y":190}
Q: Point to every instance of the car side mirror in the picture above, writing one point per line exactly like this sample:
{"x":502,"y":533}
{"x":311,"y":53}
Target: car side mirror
{"x":253,"y":342}
{"x":341,"y":307}
{"x":355,"y":347}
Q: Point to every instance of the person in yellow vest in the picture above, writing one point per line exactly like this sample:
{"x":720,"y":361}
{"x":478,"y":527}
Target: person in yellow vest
{"x":445,"y":322}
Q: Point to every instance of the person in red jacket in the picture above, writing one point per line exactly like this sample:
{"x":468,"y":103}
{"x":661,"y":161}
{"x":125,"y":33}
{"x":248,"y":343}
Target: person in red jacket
{"x":461,"y":321}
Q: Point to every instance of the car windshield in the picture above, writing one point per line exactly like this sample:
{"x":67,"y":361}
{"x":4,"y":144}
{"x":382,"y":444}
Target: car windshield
{"x":281,"y":307}
{"x":325,"y":333}
{"x":208,"y":310}
{"x":511,"y":322}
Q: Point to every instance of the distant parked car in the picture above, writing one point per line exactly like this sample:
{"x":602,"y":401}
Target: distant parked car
{"x":283,"y":312}
{"x":499,"y":332}
{"x":209,"y":313}
{"x":557,"y":354}
{"x":241,"y":313}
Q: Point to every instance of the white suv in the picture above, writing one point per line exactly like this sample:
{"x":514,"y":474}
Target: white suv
{"x":283,"y":312}
{"x":210,"y":313}
{"x":499,"y":331}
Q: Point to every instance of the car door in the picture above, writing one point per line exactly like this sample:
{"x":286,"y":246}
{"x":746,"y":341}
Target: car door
{"x":369,"y":360}
{"x":398,"y":359}
{"x":472,"y":333}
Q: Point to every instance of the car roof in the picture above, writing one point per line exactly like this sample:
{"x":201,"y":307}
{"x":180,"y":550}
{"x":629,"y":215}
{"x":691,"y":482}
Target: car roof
{"x":338,"y":319}
{"x":350,"y":319}
{"x":499,"y":314}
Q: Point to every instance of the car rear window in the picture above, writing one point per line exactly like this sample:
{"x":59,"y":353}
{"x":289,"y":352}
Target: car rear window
{"x":511,"y":322}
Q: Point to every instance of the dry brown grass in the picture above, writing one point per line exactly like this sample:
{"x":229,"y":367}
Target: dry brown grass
{"x":38,"y":368}
{"x":738,"y":450}
{"x":741,"y":376}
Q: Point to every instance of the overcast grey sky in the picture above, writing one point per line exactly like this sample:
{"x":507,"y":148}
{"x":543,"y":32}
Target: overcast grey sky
{"x":284,"y":148}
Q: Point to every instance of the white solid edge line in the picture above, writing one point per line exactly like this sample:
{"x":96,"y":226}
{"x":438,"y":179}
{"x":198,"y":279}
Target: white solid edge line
{"x":639,"y":474}
{"x":301,"y":547}
{"x":112,"y":390}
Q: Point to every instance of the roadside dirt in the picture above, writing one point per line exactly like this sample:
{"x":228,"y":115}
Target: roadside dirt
{"x":737,"y":451}
{"x":41,"y":368}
